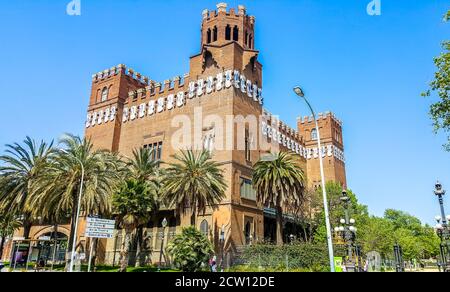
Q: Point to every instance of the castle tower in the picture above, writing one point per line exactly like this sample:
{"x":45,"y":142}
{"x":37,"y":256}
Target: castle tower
{"x":222,"y":26}
{"x":109,"y":93}
{"x":332,"y":149}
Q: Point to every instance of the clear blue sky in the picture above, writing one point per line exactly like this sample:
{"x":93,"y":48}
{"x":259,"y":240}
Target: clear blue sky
{"x":369,"y":70}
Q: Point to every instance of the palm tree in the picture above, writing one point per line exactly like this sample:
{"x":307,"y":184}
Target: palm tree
{"x":9,"y":223}
{"x":133,"y":204}
{"x":193,"y":182}
{"x":279,"y":184}
{"x":21,"y":165}
{"x":144,"y":168}
{"x":56,"y":190}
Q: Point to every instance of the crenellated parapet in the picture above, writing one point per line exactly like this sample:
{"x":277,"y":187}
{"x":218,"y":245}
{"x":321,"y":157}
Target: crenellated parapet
{"x":224,"y":25}
{"x":320,"y":116}
{"x":120,"y":69}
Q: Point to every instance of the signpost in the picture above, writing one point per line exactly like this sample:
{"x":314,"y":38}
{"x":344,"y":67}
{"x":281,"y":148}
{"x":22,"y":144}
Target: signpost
{"x":98,"y":228}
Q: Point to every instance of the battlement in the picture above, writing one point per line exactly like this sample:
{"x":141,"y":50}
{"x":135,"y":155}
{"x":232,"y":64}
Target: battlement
{"x":222,"y":11}
{"x":282,"y":127}
{"x":221,"y":26}
{"x":320,"y":116}
{"x":160,"y":88}
{"x":121,"y":68}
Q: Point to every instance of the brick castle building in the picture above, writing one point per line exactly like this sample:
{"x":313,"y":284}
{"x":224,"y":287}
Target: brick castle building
{"x":221,"y":98}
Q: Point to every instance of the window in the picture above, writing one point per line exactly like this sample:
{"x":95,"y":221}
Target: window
{"x":250,"y":42}
{"x":215,"y":34}
{"x":208,"y":36}
{"x":204,"y":228}
{"x":247,"y":191}
{"x":228,"y":33}
{"x":246,"y":38}
{"x":313,"y":134}
{"x":247,"y":145}
{"x":156,"y":149}
{"x":104,"y":94}
{"x":236,"y":33}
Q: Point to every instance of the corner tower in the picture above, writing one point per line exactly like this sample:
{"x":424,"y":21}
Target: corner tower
{"x":332,"y":150}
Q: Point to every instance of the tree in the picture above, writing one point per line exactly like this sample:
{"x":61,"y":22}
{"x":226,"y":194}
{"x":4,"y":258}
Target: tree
{"x":144,"y":168}
{"x":9,"y":223}
{"x":440,"y":111}
{"x":279,"y":183}
{"x":193,"y":183}
{"x":404,"y":220}
{"x":56,"y":189}
{"x":336,"y":209}
{"x":190,"y":250}
{"x":377,"y":235}
{"x":133,"y":204}
{"x":21,"y":165}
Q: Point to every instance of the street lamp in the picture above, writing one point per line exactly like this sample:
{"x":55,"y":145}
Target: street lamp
{"x":442,"y":229}
{"x":347,"y":231}
{"x":74,"y":241}
{"x":164,"y":224}
{"x":299,"y":92}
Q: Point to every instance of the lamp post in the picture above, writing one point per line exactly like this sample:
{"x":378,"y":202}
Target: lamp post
{"x":348,"y":232}
{"x":164,"y":224}
{"x":299,"y":92}
{"x":222,"y":245}
{"x":75,"y":232}
{"x":443,"y":230}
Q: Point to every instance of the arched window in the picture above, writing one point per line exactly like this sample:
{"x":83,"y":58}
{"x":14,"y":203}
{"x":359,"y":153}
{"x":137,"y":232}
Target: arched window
{"x":250,"y":41}
{"x":104,"y":94}
{"x":313,"y":134}
{"x":246,"y":38}
{"x":228,"y":33}
{"x":215,"y":34}
{"x":236,"y":33}
{"x":204,"y":227}
{"x":208,"y":36}
{"x":248,"y":232}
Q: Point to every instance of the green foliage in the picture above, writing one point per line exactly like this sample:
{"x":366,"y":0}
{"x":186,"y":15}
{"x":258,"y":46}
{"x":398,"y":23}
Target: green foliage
{"x":279,"y":183}
{"x":336,"y":209}
{"x":8,"y":224}
{"x":376,"y":235}
{"x":20,"y":166}
{"x":190,"y":250}
{"x":293,"y":257}
{"x":440,"y":110}
{"x":194,"y":181}
{"x":134,"y":202}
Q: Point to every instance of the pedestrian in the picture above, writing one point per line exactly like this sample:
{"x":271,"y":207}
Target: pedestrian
{"x":213,"y":264}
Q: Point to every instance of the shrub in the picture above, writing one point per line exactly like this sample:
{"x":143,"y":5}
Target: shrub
{"x":190,"y":250}
{"x":295,"y":257}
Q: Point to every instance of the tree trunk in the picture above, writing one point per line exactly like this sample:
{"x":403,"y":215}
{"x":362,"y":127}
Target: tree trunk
{"x":124,"y":253}
{"x":140,"y":256}
{"x":72,"y":229}
{"x":279,"y":226}
{"x":2,"y":245}
{"x":27,"y":227}
{"x":194,"y":217}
